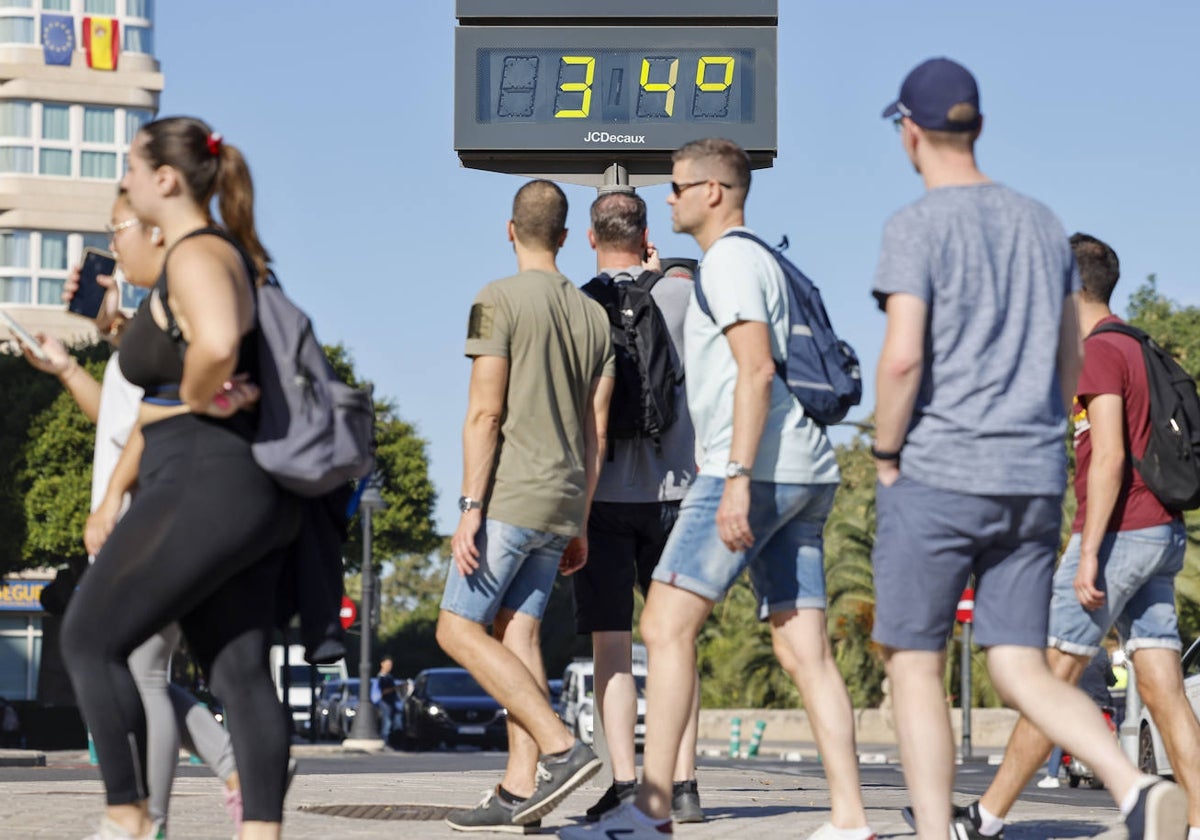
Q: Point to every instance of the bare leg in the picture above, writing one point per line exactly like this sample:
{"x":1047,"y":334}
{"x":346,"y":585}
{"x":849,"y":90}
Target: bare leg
{"x":616,"y":698}
{"x":1062,"y":712}
{"x":923,"y":730}
{"x":802,"y":645}
{"x":1027,"y":747}
{"x":685,"y":759}
{"x":670,"y":622}
{"x":1160,"y":681}
{"x":518,"y":633}
{"x":508,"y":679}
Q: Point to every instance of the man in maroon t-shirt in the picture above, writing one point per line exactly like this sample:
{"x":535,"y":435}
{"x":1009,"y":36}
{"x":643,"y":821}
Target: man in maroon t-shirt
{"x":1120,"y":564}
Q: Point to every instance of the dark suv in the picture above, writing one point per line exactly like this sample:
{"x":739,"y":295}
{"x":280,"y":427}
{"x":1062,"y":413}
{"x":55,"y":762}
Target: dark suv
{"x":448,"y":706}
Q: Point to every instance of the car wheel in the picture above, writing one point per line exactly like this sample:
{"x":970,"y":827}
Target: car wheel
{"x":1146,"y":762}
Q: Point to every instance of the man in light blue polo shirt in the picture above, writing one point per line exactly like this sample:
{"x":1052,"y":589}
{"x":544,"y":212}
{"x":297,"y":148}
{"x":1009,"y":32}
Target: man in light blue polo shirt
{"x":765,"y":485}
{"x":980,"y":359}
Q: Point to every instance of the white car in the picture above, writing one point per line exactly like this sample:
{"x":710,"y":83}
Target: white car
{"x":578,"y":700}
{"x":1152,"y":757}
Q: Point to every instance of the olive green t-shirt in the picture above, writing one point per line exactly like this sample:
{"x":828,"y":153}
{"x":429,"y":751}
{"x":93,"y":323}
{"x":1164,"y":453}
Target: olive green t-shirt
{"x":557,"y":342}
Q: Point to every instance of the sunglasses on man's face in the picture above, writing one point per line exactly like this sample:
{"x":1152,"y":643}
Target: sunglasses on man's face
{"x":679,"y":189}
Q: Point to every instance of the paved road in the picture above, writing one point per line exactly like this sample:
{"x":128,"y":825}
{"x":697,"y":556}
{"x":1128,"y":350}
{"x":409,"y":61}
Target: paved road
{"x":760,"y":798}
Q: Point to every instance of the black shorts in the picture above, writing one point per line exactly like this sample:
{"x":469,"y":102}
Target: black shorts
{"x":625,"y":540}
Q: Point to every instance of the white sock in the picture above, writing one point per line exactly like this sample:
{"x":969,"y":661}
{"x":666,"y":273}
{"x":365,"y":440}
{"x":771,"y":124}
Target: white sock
{"x":1193,"y":832}
{"x":861,"y":833}
{"x":1131,"y":798}
{"x":989,"y":823}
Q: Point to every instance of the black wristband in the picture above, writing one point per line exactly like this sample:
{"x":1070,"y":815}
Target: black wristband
{"x":879,"y":455}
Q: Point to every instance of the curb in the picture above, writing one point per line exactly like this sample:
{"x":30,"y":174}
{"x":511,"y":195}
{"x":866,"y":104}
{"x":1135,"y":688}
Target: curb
{"x":22,"y":758}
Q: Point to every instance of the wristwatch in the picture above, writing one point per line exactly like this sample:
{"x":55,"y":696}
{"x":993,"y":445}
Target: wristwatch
{"x":881,"y":455}
{"x":735,"y":470}
{"x":466,"y":503}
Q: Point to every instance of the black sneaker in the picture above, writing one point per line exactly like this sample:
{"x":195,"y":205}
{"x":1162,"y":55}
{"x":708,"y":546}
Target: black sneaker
{"x":964,"y":822}
{"x":491,"y":814}
{"x":1160,"y":813}
{"x":617,"y":793}
{"x":557,"y":777}
{"x":685,"y":802}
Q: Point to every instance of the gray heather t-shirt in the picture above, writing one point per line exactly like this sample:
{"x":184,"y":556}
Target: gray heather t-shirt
{"x":994,"y":268}
{"x":634,"y":471}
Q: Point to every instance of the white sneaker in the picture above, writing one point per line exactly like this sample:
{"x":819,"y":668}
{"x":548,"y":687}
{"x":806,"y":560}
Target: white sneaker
{"x":830,"y":832}
{"x":624,"y":821}
{"x":1048,"y":782}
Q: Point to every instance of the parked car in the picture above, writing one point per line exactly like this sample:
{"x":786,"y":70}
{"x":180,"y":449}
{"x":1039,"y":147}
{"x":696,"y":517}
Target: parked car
{"x":327,"y":709}
{"x":578,"y":700}
{"x":447,"y":706}
{"x":301,"y":681}
{"x":1152,"y":756}
{"x":343,"y":706}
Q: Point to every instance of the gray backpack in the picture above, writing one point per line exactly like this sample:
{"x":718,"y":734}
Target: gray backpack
{"x":315,"y":432}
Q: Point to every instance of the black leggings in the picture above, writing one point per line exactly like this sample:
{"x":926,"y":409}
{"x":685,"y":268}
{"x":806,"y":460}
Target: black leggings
{"x":200,"y":544}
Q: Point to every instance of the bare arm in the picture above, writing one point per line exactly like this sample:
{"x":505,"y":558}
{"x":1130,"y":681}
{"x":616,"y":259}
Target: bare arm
{"x":750,"y":343}
{"x":1106,"y":474}
{"x":123,"y":480}
{"x":211,"y":299}
{"x":595,"y":445}
{"x":898,"y":377}
{"x":1070,"y":351}
{"x":481,"y":432}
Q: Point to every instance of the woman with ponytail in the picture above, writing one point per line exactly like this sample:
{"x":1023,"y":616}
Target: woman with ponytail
{"x":200,"y":542}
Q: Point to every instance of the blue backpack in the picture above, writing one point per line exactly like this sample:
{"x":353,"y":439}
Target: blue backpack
{"x":820,"y":370}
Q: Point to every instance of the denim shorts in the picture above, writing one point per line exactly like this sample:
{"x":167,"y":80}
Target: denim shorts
{"x":787,"y":560}
{"x":928,"y":543}
{"x":1137,"y":571}
{"x":517,"y":567}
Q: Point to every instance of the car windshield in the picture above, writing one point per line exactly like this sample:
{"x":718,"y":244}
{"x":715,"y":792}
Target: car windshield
{"x":451,"y":685}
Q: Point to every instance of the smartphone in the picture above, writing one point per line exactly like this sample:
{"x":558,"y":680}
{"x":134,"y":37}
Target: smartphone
{"x":23,"y":335}
{"x":90,"y":294}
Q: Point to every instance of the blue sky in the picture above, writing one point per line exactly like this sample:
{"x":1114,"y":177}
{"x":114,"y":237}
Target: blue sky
{"x":384,"y":238}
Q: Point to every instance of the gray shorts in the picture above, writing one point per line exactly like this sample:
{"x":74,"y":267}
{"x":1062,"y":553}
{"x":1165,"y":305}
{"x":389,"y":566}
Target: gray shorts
{"x":928,"y":543}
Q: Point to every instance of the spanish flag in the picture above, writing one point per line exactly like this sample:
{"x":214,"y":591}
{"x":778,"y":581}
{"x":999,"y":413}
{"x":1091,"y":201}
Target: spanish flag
{"x":102,"y":43}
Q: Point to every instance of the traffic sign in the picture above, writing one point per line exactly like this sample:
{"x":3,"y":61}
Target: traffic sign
{"x":966,"y":607}
{"x":349,"y":613}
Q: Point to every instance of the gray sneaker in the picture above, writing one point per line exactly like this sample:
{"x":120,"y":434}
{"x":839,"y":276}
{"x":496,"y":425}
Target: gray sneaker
{"x":557,"y":777}
{"x":685,"y":802}
{"x":1160,"y":813}
{"x":491,"y":814}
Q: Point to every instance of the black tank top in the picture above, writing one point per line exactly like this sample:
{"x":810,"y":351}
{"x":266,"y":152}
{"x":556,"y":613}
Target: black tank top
{"x":152,"y":357}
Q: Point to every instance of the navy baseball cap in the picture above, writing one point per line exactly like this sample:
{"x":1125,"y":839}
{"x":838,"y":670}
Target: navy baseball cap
{"x":931,"y":90}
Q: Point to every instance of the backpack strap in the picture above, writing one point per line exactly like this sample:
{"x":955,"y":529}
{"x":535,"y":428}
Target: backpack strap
{"x":701,"y":300}
{"x":162,"y":291}
{"x":1122,"y":328}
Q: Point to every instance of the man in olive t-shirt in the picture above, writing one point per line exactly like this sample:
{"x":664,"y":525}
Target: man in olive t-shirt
{"x":533,"y":442}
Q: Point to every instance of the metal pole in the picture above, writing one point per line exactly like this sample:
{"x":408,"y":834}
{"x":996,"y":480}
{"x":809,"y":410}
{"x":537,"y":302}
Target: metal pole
{"x":366,"y":724}
{"x":616,"y":179}
{"x":965,"y":690}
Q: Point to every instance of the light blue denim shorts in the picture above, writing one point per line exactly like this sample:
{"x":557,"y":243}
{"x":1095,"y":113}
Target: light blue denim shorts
{"x":517,"y":567}
{"x":787,"y":560}
{"x":1137,"y":571}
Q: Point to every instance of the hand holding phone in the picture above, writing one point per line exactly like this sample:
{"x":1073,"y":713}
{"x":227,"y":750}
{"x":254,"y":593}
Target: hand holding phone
{"x":89,"y":297}
{"x":24,"y":336}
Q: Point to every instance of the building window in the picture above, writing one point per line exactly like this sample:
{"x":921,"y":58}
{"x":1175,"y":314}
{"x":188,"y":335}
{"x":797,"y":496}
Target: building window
{"x":33,"y":264}
{"x":98,"y":165}
{"x":16,"y":4}
{"x":99,"y":125}
{"x":17,"y":29}
{"x":55,"y":162}
{"x":16,"y":160}
{"x":140,"y":9}
{"x":16,"y":119}
{"x":100,"y":7}
{"x":56,"y":122}
{"x":56,"y":5}
{"x":138,"y":39}
{"x":134,"y":120}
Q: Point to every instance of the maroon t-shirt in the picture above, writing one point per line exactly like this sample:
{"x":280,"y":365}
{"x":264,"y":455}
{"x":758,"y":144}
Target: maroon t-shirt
{"x":1113,"y":364}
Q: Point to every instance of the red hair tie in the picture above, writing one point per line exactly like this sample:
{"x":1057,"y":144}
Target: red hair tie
{"x":214,"y":143}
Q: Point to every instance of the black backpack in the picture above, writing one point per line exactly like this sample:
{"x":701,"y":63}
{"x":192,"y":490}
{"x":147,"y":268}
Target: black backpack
{"x":1170,"y":466}
{"x":648,"y":374}
{"x":821,"y":370}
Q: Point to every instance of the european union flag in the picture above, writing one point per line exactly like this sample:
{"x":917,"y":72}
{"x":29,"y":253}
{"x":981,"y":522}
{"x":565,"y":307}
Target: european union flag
{"x":58,"y":38}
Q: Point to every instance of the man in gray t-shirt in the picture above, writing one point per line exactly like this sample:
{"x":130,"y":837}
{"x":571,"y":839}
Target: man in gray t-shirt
{"x":979,"y":361}
{"x":634,"y":508}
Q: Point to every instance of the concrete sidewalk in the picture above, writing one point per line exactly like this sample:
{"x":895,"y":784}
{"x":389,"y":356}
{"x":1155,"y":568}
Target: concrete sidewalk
{"x":740,"y":801}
